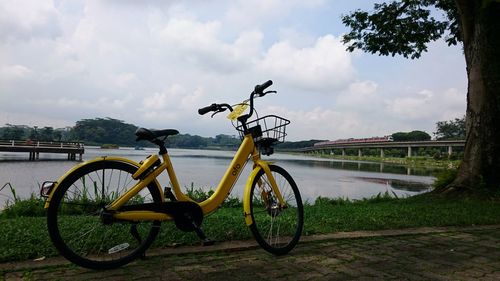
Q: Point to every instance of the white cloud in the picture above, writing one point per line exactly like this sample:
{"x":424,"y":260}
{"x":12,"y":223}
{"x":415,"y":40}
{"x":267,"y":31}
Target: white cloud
{"x":101,"y":104}
{"x":324,"y":123}
{"x":325,"y":66}
{"x":173,"y":104}
{"x":296,"y":38}
{"x":198,"y":43}
{"x":361,"y":95}
{"x":454,"y":101}
{"x":123,"y":80}
{"x":17,"y":22}
{"x":363,"y":87}
{"x":426,"y":103}
{"x":165,"y":100}
{"x":10,"y":72}
{"x":188,"y":34}
{"x":155,"y":64}
{"x":410,"y":107}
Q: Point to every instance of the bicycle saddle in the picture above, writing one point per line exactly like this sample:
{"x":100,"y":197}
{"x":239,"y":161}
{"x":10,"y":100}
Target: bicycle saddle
{"x":150,"y":135}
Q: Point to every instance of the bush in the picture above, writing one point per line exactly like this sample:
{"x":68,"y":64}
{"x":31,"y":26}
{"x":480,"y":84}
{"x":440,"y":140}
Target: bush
{"x":444,"y":178}
{"x":31,"y":207}
{"x":381,"y":197}
{"x":456,"y":156}
{"x":330,"y":201}
{"x":437,"y":156}
{"x":198,"y":194}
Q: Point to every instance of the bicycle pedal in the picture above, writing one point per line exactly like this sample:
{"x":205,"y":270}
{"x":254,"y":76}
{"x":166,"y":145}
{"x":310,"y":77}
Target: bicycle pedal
{"x":208,"y":242}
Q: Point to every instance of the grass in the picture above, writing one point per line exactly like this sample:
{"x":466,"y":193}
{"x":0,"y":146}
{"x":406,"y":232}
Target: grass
{"x":391,"y":213}
{"x":26,"y":237}
{"x":31,"y":207}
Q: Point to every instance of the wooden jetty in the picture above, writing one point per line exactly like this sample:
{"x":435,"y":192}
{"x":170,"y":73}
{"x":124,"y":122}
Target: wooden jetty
{"x":34,"y":148}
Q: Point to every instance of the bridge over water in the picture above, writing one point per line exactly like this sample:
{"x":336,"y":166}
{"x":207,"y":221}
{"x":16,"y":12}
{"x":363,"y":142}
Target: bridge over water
{"x":34,"y":148}
{"x":409,"y":145}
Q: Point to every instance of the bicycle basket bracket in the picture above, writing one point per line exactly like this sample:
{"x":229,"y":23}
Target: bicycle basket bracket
{"x":266,"y":131}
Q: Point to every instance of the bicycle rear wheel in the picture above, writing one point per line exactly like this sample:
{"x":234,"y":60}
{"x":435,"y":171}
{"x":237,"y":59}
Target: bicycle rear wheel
{"x":276,"y":229}
{"x":75,"y":223}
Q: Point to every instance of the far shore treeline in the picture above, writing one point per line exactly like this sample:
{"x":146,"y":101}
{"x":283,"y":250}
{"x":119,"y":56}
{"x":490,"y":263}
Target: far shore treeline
{"x":101,"y":131}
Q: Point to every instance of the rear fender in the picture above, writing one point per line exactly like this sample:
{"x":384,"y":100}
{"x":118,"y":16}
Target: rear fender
{"x":86,"y":163}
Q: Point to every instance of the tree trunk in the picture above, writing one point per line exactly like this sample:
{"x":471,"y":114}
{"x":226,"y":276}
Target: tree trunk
{"x":480,"y":26}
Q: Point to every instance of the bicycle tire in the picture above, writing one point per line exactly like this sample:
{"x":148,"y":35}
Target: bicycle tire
{"x":276,"y":230}
{"x":76,"y":228}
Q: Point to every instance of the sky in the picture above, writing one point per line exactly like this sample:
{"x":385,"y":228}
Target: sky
{"x":153,"y":63}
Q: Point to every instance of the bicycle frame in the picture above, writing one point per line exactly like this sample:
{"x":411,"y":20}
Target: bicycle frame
{"x":246,"y":150}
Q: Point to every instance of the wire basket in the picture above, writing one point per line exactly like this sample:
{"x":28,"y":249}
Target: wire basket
{"x":266,"y":130}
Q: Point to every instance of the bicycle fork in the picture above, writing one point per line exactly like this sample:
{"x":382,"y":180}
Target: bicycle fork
{"x":273,"y":205}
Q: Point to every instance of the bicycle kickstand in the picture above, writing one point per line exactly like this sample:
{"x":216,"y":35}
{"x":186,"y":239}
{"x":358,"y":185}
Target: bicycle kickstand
{"x":204,"y":240}
{"x":135,"y":234}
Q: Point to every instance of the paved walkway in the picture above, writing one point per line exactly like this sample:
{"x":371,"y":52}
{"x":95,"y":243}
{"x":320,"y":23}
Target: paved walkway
{"x":471,"y":253}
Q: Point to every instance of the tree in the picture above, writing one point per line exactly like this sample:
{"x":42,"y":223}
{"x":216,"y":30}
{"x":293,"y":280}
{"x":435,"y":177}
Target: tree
{"x":451,"y":130}
{"x":290,"y":145}
{"x":418,"y":136}
{"x":405,"y":27}
{"x":13,"y":132}
{"x":411,"y":136}
{"x":33,"y":135}
{"x":105,"y":131}
{"x":46,"y":134}
{"x":187,"y":141}
{"x":226,"y":141}
{"x":57,"y":135}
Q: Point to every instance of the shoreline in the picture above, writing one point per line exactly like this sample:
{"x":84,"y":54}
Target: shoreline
{"x":413,"y":162}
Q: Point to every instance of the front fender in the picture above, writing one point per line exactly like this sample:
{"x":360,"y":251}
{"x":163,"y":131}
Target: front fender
{"x":246,"y":195}
{"x":79,"y":166}
{"x":259,"y":165}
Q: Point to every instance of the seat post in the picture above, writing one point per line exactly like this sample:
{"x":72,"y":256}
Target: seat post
{"x":161,"y":144}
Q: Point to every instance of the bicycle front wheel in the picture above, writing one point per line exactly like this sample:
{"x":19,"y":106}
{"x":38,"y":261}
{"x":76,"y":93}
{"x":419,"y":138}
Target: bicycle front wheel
{"x":76,"y":222}
{"x":277,"y":229}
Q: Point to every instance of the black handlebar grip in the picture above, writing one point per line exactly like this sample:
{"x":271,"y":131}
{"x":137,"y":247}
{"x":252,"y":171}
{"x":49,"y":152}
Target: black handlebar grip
{"x":206,"y":109}
{"x":261,"y":88}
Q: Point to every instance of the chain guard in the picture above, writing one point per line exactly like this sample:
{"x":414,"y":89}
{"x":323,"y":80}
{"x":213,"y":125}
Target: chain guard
{"x":187,"y":215}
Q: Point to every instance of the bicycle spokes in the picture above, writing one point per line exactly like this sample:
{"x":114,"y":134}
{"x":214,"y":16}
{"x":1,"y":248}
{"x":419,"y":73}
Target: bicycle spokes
{"x":277,"y":228}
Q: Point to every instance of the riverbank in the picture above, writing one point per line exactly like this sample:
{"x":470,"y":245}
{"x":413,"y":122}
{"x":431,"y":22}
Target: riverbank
{"x":412,"y":162}
{"x":24,"y":237}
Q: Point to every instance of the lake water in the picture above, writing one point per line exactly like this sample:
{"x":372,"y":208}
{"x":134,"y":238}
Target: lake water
{"x":204,"y":168}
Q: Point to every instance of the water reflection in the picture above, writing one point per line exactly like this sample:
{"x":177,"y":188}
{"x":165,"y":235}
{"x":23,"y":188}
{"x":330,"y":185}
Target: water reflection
{"x":354,"y":180}
{"x":365,"y":167}
{"x":398,"y":184}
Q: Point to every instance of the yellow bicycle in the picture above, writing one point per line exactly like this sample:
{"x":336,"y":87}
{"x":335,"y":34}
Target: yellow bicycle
{"x":106,"y":212}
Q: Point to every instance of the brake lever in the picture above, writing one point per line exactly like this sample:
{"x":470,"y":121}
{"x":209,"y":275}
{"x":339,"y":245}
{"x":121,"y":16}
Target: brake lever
{"x":268,"y":92}
{"x":218,"y":111}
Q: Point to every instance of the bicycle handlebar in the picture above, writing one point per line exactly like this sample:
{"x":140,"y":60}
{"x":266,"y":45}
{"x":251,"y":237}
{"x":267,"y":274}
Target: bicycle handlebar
{"x":258,"y":91}
{"x":207,"y":109}
{"x":215,"y":107}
